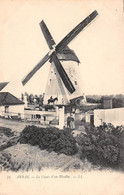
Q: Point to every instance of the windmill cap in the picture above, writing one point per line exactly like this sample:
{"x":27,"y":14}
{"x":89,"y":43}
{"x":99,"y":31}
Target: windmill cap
{"x":68,"y":55}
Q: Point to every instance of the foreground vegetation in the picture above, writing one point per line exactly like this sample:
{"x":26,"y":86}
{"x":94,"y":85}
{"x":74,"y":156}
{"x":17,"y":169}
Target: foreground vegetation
{"x":102,"y":147}
{"x":7,"y":138}
{"x":51,"y":139}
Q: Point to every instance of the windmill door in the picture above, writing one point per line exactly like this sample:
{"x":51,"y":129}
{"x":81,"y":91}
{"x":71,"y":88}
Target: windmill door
{"x":92,"y":119}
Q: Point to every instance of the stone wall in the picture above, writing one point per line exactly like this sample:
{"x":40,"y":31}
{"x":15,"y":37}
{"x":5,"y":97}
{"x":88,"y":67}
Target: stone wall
{"x":114,"y":116}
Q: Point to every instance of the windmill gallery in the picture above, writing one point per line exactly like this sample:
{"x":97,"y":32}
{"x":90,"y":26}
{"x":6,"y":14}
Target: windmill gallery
{"x":63,"y":93}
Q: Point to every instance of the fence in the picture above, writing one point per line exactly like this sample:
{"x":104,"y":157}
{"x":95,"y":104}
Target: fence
{"x":45,"y":118}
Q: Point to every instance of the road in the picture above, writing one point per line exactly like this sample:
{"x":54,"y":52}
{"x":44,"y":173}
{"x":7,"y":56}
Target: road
{"x":14,"y":125}
{"x":17,"y":126}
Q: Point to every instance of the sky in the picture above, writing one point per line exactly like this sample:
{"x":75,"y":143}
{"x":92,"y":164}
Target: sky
{"x":100,"y":47}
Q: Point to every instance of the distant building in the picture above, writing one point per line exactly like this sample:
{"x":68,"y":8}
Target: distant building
{"x":107,"y":103}
{"x":89,"y":117}
{"x":10,"y":105}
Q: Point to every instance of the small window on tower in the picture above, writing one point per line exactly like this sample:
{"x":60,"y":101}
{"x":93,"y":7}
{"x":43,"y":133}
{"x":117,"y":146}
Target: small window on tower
{"x":50,"y":80}
{"x":75,"y":82}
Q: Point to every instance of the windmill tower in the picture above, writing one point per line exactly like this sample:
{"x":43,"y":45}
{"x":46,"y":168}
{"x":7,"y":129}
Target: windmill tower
{"x":63,"y":80}
{"x":55,"y":86}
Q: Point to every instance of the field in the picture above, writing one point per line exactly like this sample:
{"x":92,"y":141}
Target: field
{"x":14,"y":125}
{"x":23,"y":157}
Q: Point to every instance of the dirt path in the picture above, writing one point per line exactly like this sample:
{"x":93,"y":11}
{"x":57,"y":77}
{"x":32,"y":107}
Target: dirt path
{"x":17,"y":126}
{"x":14,"y":125}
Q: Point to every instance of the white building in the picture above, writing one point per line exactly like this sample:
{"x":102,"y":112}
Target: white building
{"x":10,"y":105}
{"x":114,"y":116}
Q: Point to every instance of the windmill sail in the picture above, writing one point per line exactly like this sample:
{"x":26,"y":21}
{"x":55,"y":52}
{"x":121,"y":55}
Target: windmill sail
{"x":67,"y":82}
{"x":70,"y":36}
{"x":35,"y":69}
{"x":47,"y":35}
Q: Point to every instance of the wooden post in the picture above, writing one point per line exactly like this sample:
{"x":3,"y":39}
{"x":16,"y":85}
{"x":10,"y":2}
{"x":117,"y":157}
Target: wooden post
{"x":61,"y":117}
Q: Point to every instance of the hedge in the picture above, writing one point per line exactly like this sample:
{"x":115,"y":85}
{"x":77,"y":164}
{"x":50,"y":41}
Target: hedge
{"x":51,"y":139}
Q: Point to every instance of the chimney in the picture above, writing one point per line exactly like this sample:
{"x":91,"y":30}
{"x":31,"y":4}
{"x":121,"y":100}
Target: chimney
{"x":107,"y":103}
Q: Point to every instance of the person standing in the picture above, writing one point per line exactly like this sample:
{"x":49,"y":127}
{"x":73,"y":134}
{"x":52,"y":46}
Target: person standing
{"x":70,"y":122}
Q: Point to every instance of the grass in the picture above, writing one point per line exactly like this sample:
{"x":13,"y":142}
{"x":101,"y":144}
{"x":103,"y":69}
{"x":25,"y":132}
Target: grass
{"x":24,"y":157}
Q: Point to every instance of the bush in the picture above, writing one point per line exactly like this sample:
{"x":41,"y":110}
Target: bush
{"x":6,"y":131}
{"x":103,"y":145}
{"x":51,"y":139}
{"x":7,"y":138}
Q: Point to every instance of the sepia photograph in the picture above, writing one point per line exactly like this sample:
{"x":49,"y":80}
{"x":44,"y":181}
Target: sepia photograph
{"x":61,"y":97}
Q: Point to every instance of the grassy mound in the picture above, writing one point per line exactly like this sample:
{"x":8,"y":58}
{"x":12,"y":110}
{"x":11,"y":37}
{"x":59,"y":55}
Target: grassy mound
{"x":24,"y":157}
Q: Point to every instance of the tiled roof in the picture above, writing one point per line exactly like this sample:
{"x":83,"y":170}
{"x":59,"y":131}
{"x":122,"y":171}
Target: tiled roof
{"x":7,"y":98}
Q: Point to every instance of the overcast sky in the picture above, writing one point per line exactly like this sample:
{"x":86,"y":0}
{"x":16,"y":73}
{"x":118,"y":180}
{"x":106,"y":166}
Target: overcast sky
{"x":100,"y":47}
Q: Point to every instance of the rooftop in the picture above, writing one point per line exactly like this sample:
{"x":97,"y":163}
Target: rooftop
{"x":67,"y":54}
{"x":7,"y":98}
{"x":2,"y":85}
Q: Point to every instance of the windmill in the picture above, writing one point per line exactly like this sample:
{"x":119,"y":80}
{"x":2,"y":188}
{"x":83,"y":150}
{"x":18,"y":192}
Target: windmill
{"x":63,"y":77}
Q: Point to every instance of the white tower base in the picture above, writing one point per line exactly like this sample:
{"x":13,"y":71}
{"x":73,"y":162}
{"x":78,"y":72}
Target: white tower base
{"x":55,"y":86}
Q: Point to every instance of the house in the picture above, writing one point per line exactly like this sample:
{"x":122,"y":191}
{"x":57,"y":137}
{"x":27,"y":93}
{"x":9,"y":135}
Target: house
{"x":10,"y":106}
{"x":14,"y":87}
